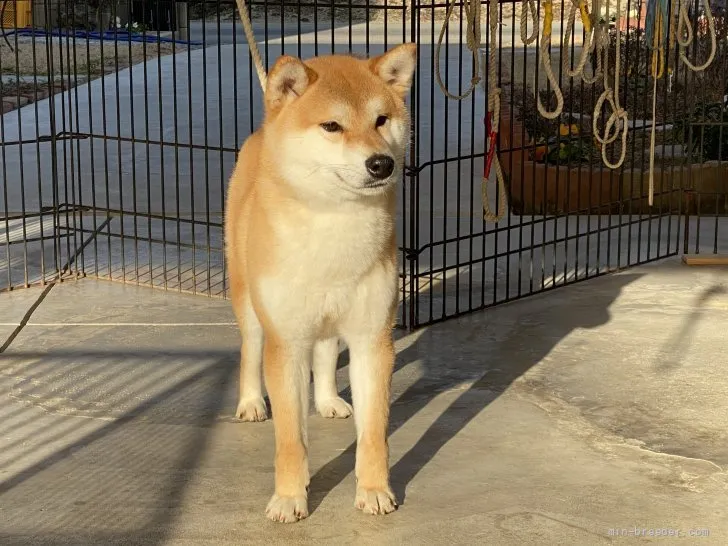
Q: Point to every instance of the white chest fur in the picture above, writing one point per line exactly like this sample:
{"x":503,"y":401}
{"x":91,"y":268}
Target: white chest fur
{"x":331,"y":266}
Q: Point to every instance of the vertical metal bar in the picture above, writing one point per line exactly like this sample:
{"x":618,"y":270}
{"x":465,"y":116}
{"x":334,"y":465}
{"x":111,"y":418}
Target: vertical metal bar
{"x":221,"y":144}
{"x":122,"y":237}
{"x":177,"y":189}
{"x":206,"y":129}
{"x":76,"y":203}
{"x":105,"y":141}
{"x":55,"y":183}
{"x":193,"y":215}
{"x":66,"y":117}
{"x":414,"y":180}
{"x":39,"y":174}
{"x":21,"y":166}
{"x":298,"y":25}
{"x":431,"y":239}
{"x":333,"y":27}
{"x":498,"y":228}
{"x":174,"y":22}
{"x":134,"y":196}
{"x":315,"y":28}
{"x":459,"y":148}
{"x":91,"y":145}
{"x":471,"y":204}
{"x":4,"y":183}
{"x":445,"y":178}
{"x":150,"y":250}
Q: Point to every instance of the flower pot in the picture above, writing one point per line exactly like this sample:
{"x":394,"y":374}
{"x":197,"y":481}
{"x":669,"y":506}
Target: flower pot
{"x":580,"y":189}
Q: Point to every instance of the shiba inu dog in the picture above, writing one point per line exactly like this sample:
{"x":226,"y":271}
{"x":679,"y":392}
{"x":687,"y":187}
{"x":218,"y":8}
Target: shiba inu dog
{"x":312,"y":258}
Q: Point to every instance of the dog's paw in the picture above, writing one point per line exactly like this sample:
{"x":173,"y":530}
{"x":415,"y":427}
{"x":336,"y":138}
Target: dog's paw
{"x":375,"y":501}
{"x":287,"y":509}
{"x":334,"y":408}
{"x":251,"y":409}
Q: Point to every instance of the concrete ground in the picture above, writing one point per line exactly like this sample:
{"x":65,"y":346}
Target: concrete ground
{"x":574,"y":417}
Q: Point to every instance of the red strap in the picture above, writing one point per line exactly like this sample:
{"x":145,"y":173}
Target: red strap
{"x":492,"y":135}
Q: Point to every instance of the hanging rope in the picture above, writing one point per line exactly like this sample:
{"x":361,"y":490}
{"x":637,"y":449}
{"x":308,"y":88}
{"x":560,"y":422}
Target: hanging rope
{"x":618,"y":120}
{"x":600,"y":41}
{"x":588,"y":44}
{"x":656,"y":31}
{"x":254,"y":52}
{"x":526,"y":6}
{"x":548,"y":20}
{"x":684,"y":26}
{"x":494,"y":94}
{"x":472,"y":40}
{"x":473,"y":36}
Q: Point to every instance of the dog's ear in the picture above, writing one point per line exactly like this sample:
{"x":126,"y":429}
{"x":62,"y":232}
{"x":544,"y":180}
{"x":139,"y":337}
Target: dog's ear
{"x":287,"y":80}
{"x":396,"y":67}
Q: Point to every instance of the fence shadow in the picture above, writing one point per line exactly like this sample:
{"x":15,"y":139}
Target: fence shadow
{"x":487,"y":351}
{"x":124,"y":472}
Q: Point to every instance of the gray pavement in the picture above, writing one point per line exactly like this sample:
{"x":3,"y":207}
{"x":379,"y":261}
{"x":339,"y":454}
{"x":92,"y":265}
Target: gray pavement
{"x":553,"y":420}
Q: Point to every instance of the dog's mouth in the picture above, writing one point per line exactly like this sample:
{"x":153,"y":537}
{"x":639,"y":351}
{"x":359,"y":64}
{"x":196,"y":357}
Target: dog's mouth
{"x":376,"y":184}
{"x":369,"y":186}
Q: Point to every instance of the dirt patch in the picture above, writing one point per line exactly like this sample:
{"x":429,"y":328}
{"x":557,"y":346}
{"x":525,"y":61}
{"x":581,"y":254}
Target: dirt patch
{"x":19,"y":94}
{"x":78,"y":58}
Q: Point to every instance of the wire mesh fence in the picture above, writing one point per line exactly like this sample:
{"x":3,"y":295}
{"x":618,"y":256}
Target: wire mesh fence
{"x":121,"y":123}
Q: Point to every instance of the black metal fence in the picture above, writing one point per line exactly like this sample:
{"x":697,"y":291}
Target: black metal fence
{"x":115,"y":163}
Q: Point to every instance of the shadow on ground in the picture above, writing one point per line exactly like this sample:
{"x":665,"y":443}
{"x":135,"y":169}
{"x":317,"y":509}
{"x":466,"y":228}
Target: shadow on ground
{"x":126,"y":472}
{"x":481,"y":354}
{"x":59,"y":472}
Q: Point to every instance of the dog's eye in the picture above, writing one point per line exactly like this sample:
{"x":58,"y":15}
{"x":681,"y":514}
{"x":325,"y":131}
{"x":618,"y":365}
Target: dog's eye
{"x":381,"y":120}
{"x":331,"y":127}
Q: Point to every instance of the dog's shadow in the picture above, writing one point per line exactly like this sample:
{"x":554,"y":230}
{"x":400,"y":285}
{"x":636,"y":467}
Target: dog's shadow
{"x":480,"y":350}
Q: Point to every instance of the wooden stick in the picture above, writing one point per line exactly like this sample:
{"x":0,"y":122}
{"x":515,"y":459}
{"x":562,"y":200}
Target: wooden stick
{"x":705,"y":259}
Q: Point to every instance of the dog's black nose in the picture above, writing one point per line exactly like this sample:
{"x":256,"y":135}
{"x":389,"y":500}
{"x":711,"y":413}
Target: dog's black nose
{"x":380,"y":166}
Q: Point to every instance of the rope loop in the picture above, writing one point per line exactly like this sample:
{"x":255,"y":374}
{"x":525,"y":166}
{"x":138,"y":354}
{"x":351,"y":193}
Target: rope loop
{"x":546,"y":61}
{"x":472,"y":37}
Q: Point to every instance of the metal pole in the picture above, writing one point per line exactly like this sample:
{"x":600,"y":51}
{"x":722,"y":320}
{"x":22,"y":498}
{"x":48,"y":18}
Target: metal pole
{"x":182,"y":21}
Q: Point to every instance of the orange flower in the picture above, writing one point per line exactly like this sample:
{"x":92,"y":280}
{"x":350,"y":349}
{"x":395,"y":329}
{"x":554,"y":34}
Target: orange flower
{"x":540,"y":152}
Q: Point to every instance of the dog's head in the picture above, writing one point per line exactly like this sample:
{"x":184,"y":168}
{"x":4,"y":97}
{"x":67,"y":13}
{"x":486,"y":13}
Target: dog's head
{"x":339,"y":124}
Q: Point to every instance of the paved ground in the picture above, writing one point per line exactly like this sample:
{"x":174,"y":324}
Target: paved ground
{"x":549,"y":421}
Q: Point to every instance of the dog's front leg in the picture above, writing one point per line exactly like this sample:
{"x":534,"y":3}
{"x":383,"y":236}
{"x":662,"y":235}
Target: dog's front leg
{"x":372,"y":363}
{"x":287,"y":369}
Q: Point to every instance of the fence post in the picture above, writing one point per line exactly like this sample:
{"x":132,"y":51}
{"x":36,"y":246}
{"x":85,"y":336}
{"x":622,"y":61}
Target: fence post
{"x":182,"y":28}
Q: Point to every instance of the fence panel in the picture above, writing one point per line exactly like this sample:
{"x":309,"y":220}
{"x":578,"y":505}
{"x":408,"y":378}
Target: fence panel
{"x":117,"y":167}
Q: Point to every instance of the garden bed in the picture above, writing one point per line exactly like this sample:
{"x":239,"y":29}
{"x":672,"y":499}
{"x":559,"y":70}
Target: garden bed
{"x":589,"y":187}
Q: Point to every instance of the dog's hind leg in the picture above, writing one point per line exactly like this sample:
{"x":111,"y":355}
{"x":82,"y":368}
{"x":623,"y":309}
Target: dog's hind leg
{"x":251,"y":406}
{"x":326,"y":396}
